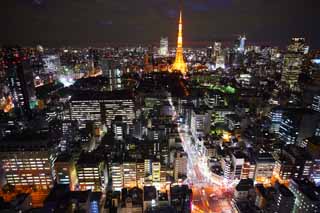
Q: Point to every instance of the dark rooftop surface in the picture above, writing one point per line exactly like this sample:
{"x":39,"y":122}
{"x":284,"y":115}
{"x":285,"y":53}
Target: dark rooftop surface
{"x":27,"y":140}
{"x":80,"y":95}
{"x":88,"y":159}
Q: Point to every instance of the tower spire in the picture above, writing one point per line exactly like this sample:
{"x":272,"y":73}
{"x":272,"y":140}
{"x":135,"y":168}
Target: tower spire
{"x":179,"y":63}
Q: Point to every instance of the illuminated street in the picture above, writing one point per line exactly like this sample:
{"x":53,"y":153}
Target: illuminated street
{"x":209,"y":192}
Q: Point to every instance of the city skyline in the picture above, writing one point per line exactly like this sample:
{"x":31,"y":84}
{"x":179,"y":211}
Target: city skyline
{"x":226,"y":126}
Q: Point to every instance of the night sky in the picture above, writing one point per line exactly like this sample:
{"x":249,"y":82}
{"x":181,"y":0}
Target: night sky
{"x":99,"y":22}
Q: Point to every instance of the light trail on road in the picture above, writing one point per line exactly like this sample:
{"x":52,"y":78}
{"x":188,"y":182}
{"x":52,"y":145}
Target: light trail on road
{"x":208,"y":192}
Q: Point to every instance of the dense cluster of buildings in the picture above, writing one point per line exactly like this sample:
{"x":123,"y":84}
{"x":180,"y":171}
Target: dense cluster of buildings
{"x":147,"y":129}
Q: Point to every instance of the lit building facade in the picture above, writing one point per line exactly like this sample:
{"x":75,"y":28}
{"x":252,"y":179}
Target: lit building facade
{"x":307,"y":197}
{"x":289,"y":129}
{"x":102,"y":107}
{"x":65,"y":171}
{"x":264,"y":168}
{"x":90,"y":172}
{"x":200,"y":122}
{"x":129,"y":174}
{"x":27,"y":162}
{"x":180,"y":165}
{"x":164,"y":47}
{"x":316,"y":103}
{"x":292,"y":67}
{"x":116,"y":176}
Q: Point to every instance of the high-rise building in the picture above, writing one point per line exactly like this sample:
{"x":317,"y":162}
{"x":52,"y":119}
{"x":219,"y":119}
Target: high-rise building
{"x":200,"y":122}
{"x":238,"y":159}
{"x":209,"y":52}
{"x":91,"y":172}
{"x":164,"y":47}
{"x":156,"y":171}
{"x":284,"y":200}
{"x":316,"y":103}
{"x":27,"y":159}
{"x":120,"y":129}
{"x":307,"y":196}
{"x":179,"y":63}
{"x":264,"y":168}
{"x":275,"y":117}
{"x":298,"y":45}
{"x":65,"y":171}
{"x":102,"y":107}
{"x":289,"y":128}
{"x":129,"y":174}
{"x":140,"y":172}
{"x":283,"y":169}
{"x":19,"y":78}
{"x":180,"y":165}
{"x":220,"y":62}
{"x":240,"y":43}
{"x":292,"y":67}
{"x":301,"y":159}
{"x":116,"y":176}
{"x":217,"y":48}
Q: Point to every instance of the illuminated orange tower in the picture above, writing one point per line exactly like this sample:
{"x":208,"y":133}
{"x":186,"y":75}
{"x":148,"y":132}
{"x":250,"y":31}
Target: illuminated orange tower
{"x":179,"y":63}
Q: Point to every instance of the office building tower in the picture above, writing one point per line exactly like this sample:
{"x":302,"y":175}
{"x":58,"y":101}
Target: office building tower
{"x":313,"y":148}
{"x":238,"y":159}
{"x":240,"y":44}
{"x":301,"y":160}
{"x":209,"y":52}
{"x":289,"y":128}
{"x":248,"y":169}
{"x":102,"y":107}
{"x":275,"y":117}
{"x":298,"y":45}
{"x":292,"y":67}
{"x":156,"y":171}
{"x":120,"y":129}
{"x":284,"y":200}
{"x":116,"y":176}
{"x":27,"y":159}
{"x":65,"y":171}
{"x":226,"y":167}
{"x":179,"y":64}
{"x":200,"y":122}
{"x":307,"y":196}
{"x":316,"y":103}
{"x":217,"y":49}
{"x":214,"y":98}
{"x":220,"y":62}
{"x":164,"y":47}
{"x":140,"y":172}
{"x":129,"y":174}
{"x":91,"y":172}
{"x":180,"y":165}
{"x":283,"y":169}
{"x":264,"y":168}
{"x":19,"y":78}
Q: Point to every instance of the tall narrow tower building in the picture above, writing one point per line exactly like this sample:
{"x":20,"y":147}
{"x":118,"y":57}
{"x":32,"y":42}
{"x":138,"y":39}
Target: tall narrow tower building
{"x":179,"y":63}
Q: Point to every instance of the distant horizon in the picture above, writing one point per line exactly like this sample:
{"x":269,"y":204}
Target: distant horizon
{"x":172,"y":44}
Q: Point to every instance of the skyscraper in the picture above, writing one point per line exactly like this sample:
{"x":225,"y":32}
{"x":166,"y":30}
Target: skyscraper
{"x":163,"y":50}
{"x":179,"y":63}
{"x":298,"y":45}
{"x":240,"y":43}
{"x":217,"y":49}
{"x":19,"y":78}
{"x":292,"y":67}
